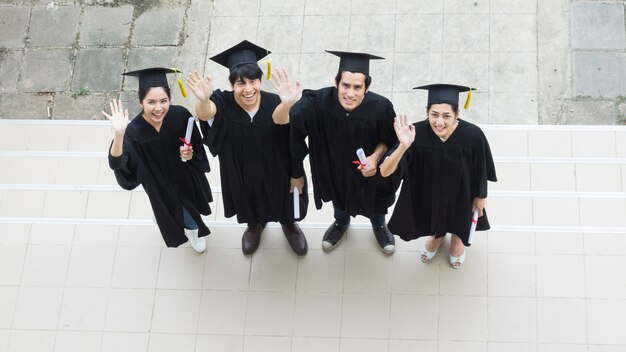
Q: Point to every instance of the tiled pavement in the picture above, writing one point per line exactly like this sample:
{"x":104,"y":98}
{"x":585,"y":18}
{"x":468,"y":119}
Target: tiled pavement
{"x":82,"y":267}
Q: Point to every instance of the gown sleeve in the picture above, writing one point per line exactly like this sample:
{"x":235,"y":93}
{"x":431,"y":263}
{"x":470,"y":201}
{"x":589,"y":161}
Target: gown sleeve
{"x":213,"y":132}
{"x":199,"y":160}
{"x":298,"y":132}
{"x":403,"y":163}
{"x":406,"y":159}
{"x":126,"y":167}
{"x":484,"y":166}
{"x":386,"y":132}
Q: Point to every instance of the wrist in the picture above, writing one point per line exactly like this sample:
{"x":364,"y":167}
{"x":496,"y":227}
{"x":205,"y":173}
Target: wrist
{"x":376,"y":158}
{"x":287,"y":104}
{"x":404,"y":146}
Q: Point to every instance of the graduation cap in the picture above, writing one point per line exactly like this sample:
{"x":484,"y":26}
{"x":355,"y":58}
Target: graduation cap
{"x":155,"y":77}
{"x":242,"y":54}
{"x":355,"y":62}
{"x":447,"y":93}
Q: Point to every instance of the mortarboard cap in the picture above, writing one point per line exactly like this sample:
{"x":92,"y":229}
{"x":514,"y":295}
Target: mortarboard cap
{"x":355,"y":62}
{"x":241,"y":54}
{"x":446,"y":93}
{"x":151,"y":77}
{"x":155,"y":77}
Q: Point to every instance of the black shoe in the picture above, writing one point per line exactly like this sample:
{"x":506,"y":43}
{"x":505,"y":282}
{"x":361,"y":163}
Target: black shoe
{"x":296,"y":238}
{"x":251,"y":239}
{"x":385,"y":239}
{"x":333,"y":235}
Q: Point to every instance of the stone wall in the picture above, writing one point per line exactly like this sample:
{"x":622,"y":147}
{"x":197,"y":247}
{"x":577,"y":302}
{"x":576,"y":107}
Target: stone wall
{"x":533,"y":62}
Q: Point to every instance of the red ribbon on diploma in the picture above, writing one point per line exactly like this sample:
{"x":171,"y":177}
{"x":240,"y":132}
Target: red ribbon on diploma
{"x":361,"y":165}
{"x":184,"y":141}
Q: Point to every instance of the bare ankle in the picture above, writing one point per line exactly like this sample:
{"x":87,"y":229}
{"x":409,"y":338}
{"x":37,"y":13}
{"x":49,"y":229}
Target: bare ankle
{"x":433,"y":243}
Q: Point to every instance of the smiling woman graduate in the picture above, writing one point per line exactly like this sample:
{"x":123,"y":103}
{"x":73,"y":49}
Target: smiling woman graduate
{"x":148,"y":151}
{"x":445,"y":163}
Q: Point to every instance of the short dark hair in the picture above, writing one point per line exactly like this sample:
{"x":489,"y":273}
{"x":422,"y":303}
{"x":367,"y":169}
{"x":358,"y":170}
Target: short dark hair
{"x":249,"y":71}
{"x":144,"y":91}
{"x":455,"y":108}
{"x":368,"y":79}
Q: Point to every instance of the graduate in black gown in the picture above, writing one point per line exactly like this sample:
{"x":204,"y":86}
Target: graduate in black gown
{"x":148,"y":151}
{"x":445,"y":163}
{"x":339,"y":120}
{"x":255,"y":164}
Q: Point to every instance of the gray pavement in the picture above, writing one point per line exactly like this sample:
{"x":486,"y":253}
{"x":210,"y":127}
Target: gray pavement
{"x":533,"y":62}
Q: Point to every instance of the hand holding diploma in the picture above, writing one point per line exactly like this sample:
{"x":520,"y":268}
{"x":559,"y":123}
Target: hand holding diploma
{"x":477,"y":211}
{"x":362,"y":158}
{"x":186,"y":151}
{"x":479,"y":204}
{"x":367,"y":165}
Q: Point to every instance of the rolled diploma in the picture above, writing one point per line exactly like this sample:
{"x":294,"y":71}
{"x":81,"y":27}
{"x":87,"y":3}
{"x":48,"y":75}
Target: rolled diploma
{"x":362,"y":158}
{"x":190,"y":123}
{"x":296,"y":203}
{"x":473,"y":227}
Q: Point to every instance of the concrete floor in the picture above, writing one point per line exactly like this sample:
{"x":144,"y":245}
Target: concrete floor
{"x":82,"y":267}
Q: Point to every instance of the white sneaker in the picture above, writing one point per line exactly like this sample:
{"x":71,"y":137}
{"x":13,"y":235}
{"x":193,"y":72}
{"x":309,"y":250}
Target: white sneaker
{"x":197,"y":243}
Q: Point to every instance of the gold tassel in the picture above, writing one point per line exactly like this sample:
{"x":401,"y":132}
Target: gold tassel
{"x":469,"y":99}
{"x":182,"y":88}
{"x":180,"y":82}
{"x":269,"y":69}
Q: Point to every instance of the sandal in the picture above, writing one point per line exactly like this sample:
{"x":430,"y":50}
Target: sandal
{"x":456,"y":262}
{"x":427,"y":255}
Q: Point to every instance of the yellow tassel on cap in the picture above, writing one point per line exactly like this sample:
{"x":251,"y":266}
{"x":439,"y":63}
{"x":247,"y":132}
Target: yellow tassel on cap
{"x":182,"y":88}
{"x":180,"y":82}
{"x":269,"y":67}
{"x":468,"y":100}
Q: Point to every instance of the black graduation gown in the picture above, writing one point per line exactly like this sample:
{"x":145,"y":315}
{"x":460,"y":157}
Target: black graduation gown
{"x":152,"y":159}
{"x":255,"y":164}
{"x":441,"y":180}
{"x":334,"y":135}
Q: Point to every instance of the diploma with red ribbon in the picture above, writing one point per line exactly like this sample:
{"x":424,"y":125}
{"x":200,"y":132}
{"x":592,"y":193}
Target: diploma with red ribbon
{"x":362,"y":162}
{"x":473,"y":227}
{"x":187,"y":140}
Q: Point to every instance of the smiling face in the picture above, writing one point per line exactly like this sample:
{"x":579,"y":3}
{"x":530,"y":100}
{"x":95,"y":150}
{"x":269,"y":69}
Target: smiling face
{"x":155,"y":105}
{"x":351,"y":89}
{"x":442,"y":119}
{"x":247,"y":93}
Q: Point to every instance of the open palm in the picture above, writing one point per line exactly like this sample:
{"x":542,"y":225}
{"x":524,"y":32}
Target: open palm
{"x":404,"y":130}
{"x":201,"y":87}
{"x":287,"y":92}
{"x":118,"y":117}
